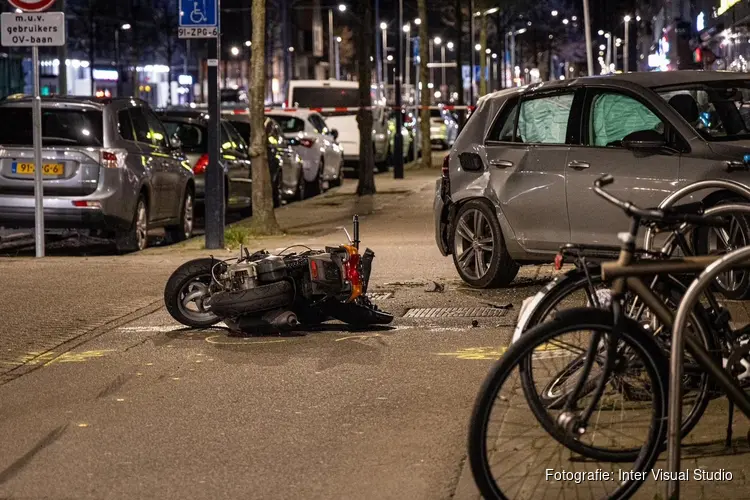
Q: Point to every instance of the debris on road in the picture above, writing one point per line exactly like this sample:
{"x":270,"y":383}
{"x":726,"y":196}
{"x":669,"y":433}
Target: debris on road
{"x":474,"y":323}
{"x":434,"y":286}
{"x":508,"y":305}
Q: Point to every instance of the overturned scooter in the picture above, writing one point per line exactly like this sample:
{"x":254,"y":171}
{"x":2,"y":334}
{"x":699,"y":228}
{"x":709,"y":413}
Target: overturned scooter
{"x":265,"y":293}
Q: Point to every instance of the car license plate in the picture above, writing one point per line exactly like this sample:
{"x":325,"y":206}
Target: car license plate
{"x":22,"y":168}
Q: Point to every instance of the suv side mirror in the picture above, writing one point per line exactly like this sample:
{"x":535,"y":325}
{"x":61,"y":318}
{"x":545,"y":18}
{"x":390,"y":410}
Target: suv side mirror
{"x":334,"y":134}
{"x":644,"y":140}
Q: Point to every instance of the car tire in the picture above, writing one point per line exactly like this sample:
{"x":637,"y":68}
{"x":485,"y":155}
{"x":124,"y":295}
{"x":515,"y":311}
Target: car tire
{"x":301,"y":193}
{"x":477,"y":230}
{"x":135,"y":238}
{"x":184,"y":230}
{"x":734,"y":285}
{"x":277,"y":188}
{"x":316,"y":186}
{"x":339,"y":176}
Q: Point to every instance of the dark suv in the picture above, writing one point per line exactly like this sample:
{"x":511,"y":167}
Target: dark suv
{"x":109,"y":167}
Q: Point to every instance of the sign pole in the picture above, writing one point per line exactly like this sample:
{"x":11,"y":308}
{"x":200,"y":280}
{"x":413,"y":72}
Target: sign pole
{"x":38,"y":165}
{"x":201,"y":20}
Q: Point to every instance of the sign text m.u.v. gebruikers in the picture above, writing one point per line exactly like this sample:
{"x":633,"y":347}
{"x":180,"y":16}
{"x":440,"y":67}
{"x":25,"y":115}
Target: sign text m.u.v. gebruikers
{"x":24,"y":30}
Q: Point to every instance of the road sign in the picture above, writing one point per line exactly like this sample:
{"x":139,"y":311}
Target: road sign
{"x":27,"y":30}
{"x":198,"y":19}
{"x":32,"y":5}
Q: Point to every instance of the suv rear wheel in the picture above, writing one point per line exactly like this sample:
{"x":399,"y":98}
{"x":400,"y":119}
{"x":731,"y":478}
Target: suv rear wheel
{"x":184,"y":230}
{"x":135,"y":238}
{"x":479,"y":251}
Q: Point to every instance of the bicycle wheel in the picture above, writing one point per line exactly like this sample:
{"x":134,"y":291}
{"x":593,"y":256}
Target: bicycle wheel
{"x":575,"y":290}
{"x":512,"y":456}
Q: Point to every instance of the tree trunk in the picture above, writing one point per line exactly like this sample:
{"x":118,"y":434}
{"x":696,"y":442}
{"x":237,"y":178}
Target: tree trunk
{"x":424,"y":75}
{"x":483,"y":55}
{"x":366,"y":184}
{"x":460,"y":60}
{"x":264,"y":218}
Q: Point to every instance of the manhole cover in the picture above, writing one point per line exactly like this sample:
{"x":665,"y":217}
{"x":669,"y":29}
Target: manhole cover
{"x":455,"y":312}
{"x":379,"y":295}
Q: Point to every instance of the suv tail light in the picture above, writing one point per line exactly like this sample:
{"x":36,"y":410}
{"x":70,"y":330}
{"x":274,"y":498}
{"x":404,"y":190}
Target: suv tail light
{"x":108,"y":159}
{"x":200,"y":165}
{"x":308,"y":143}
{"x":445,"y":173}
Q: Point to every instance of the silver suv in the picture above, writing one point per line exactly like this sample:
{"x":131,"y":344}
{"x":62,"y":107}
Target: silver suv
{"x":109,"y":167}
{"x":518,"y":183}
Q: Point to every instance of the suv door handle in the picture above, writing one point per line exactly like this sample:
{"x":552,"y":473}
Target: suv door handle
{"x":578,"y":165}
{"x":501,"y":163}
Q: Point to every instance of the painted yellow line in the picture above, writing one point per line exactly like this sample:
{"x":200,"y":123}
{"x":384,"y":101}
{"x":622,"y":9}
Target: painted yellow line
{"x":349,"y":337}
{"x":216,"y":340}
{"x":488,"y":353}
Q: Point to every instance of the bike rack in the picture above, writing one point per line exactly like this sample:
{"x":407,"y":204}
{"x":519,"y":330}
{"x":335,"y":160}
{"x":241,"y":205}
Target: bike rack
{"x":684,"y":191}
{"x":691,"y":298}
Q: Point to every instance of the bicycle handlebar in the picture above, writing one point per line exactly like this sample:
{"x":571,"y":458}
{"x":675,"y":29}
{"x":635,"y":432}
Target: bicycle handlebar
{"x":658,"y":215}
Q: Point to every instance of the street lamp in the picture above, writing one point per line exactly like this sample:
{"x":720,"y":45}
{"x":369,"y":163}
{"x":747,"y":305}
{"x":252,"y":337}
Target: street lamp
{"x":407,"y":28}
{"x":574,"y":18}
{"x":342,"y":7}
{"x":554,"y":13}
{"x":601,"y":32}
{"x":248,"y":43}
{"x":626,"y":52}
{"x":478,"y":47}
{"x":417,"y":21}
{"x":449,"y":45}
{"x":235,"y":51}
{"x":123,"y":27}
{"x":291,"y":49}
{"x":565,"y":21}
{"x":383,"y":25}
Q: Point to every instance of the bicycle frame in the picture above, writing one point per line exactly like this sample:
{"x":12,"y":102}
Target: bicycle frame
{"x":625,"y":276}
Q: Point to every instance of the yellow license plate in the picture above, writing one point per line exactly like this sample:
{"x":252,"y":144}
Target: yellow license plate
{"x":56,"y":169}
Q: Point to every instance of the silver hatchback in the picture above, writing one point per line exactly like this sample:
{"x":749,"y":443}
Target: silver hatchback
{"x":518,"y":183}
{"x":109,"y":167}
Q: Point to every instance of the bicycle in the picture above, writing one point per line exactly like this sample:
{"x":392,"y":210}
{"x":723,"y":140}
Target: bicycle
{"x":617,"y":344}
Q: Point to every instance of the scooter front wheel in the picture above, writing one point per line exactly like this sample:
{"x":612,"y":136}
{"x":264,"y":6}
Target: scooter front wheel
{"x":186,"y":291}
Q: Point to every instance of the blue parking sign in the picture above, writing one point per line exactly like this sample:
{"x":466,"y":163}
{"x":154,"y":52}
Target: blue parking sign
{"x":198,"y":13}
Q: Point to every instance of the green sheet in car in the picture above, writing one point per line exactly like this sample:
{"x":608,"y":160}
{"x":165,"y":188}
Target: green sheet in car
{"x":615,"y":116}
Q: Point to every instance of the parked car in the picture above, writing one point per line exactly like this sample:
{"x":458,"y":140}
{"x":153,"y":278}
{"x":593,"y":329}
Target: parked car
{"x":280,"y":153}
{"x":191,"y":127}
{"x":443,"y":128}
{"x":315,"y":142}
{"x":518,"y":183}
{"x":336,"y":93}
{"x":110,"y":167}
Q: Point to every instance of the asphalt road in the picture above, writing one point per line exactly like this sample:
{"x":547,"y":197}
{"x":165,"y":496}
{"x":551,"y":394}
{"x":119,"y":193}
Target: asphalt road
{"x":145,"y":409}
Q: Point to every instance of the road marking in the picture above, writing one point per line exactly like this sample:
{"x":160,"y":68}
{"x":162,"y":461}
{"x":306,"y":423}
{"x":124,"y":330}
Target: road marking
{"x":222,"y":340}
{"x":495,"y":353}
{"x":349,"y":337}
{"x":51,"y":357}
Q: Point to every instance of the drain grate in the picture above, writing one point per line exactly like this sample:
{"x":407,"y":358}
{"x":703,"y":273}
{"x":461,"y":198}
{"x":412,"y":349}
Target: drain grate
{"x":379,"y":295}
{"x":455,"y":312}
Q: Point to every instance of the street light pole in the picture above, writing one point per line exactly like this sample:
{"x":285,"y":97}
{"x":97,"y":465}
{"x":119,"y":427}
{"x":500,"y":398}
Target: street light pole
{"x":398,"y":140}
{"x":442,"y":61}
{"x":338,"y":58}
{"x":432,"y":70}
{"x":384,"y":55}
{"x":331,"y":47}
{"x":117,"y":61}
{"x":626,"y":52}
{"x":587,"y":32}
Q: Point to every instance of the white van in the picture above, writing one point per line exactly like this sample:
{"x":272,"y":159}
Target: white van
{"x":337,"y":94}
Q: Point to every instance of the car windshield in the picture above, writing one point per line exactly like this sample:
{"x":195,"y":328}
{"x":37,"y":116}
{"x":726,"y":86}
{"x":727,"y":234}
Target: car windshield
{"x":324,"y":97}
{"x":192,"y":136}
{"x":60,"y":127}
{"x":289,"y":124}
{"x":719,"y":111}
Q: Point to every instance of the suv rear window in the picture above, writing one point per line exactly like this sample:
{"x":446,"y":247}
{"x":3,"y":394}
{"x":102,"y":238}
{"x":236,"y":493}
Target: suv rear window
{"x":289,"y":124}
{"x":60,"y":127}
{"x":192,"y":136}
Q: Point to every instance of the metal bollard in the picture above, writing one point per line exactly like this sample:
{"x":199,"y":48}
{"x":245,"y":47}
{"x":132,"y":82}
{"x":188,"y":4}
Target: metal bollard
{"x":684,"y":191}
{"x":687,"y":304}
